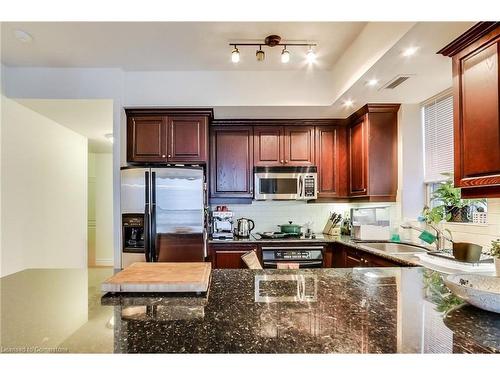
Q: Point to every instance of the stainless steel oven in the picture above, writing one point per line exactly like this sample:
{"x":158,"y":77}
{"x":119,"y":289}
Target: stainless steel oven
{"x":304,"y":256}
{"x":286,"y":183}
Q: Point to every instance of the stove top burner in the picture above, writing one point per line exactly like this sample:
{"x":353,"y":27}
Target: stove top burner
{"x":278,"y":235}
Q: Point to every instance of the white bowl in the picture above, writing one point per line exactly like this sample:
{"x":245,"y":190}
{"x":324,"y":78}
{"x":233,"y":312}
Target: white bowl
{"x":479,"y":290}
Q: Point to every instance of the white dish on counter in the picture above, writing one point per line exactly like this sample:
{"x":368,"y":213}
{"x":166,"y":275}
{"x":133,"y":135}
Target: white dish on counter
{"x":452,"y":266}
{"x":479,"y":290}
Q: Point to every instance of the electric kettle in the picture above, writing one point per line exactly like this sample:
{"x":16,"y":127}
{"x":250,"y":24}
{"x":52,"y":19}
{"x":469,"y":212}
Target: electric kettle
{"x":244,"y":227}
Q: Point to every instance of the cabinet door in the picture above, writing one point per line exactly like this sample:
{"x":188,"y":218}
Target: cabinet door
{"x":187,"y":138}
{"x":268,"y":146}
{"x":329,"y":146}
{"x":229,"y":256}
{"x":376,"y":261}
{"x":476,"y":115}
{"x":231,"y":167}
{"x":358,"y":158}
{"x":353,"y":259}
{"x":299,"y":145}
{"x":146,"y":139}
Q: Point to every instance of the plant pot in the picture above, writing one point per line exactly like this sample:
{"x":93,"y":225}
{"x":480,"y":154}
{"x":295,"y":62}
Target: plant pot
{"x":497,"y":267}
{"x":459,"y":214}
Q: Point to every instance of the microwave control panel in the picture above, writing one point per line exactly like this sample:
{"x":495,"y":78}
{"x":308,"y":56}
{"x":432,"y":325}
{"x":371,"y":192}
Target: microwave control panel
{"x":309,"y":186}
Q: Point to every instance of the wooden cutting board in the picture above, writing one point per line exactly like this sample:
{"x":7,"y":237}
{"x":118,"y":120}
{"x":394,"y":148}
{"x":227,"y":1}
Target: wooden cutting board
{"x":161,"y":277}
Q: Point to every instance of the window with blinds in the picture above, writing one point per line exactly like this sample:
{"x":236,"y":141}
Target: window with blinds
{"x":438,"y":137}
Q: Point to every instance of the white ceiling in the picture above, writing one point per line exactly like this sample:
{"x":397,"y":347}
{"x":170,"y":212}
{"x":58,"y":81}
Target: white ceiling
{"x":90,"y":118}
{"x":244,"y":96}
{"x":430,"y":74}
{"x":170,"y":45}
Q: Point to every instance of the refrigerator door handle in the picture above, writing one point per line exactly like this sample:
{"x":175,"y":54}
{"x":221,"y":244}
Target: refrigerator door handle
{"x":147,"y":230}
{"x":154,"y":255}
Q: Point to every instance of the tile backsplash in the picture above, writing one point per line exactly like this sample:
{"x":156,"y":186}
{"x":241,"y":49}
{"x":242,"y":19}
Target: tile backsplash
{"x":268,"y":214}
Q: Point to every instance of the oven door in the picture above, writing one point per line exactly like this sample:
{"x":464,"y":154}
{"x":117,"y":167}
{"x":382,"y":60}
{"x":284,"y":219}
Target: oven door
{"x":286,"y":186}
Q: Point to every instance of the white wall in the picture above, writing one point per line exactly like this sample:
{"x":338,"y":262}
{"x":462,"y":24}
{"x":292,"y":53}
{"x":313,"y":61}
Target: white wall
{"x":411,"y":165}
{"x":43,"y":192}
{"x":100,"y":209}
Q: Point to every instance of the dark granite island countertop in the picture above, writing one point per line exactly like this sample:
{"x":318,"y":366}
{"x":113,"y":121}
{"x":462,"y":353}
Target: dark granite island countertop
{"x":361,"y":310}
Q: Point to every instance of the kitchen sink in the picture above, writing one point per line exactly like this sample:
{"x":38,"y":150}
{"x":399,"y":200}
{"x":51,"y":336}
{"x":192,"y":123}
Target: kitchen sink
{"x":395,"y":248}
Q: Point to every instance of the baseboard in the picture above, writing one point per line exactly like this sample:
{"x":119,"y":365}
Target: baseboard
{"x":104,"y":262}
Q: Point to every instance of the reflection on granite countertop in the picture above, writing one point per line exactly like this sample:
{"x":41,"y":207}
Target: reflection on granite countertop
{"x":361,"y":310}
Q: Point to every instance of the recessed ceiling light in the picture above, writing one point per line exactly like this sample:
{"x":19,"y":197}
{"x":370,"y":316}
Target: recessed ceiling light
{"x":410,"y":51}
{"x":348,"y":103}
{"x":372,"y":82}
{"x":23,"y":36}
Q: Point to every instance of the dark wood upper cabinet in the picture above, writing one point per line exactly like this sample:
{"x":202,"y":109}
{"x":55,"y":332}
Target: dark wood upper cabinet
{"x":167,"y":135}
{"x":475,"y":61}
{"x":330,"y":156}
{"x":187,"y":138}
{"x":283,"y":145}
{"x":298,"y":145}
{"x":372,"y":149}
{"x":358,"y":164}
{"x":231,"y":162}
{"x":146,"y":139}
{"x":268,"y":146}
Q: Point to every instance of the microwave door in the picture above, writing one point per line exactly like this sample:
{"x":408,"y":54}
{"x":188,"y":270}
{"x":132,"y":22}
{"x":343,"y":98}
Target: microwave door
{"x":277,"y":186}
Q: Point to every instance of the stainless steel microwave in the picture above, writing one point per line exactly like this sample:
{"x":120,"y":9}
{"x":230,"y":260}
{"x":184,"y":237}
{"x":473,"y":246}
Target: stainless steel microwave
{"x":285,"y":183}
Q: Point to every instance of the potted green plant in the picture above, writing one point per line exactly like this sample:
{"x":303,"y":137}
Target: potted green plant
{"x":456,"y":208}
{"x":495,"y":253}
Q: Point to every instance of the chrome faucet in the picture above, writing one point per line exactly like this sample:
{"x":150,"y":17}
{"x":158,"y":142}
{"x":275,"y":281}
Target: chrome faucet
{"x":441,"y":238}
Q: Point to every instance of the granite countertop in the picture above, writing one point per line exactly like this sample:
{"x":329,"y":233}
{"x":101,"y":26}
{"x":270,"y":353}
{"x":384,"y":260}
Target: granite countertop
{"x":361,"y":310}
{"x":403,"y":259}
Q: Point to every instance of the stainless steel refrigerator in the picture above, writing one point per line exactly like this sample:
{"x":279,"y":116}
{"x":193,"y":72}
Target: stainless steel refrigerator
{"x":171,"y":203}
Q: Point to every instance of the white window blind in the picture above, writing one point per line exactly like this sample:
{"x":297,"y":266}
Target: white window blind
{"x":438,"y":138}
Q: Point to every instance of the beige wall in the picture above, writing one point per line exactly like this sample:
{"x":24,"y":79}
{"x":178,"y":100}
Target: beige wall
{"x":43,"y":192}
{"x":100,"y":209}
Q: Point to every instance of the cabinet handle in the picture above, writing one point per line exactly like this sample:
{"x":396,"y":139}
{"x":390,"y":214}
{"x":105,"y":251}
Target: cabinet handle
{"x":282,"y":161}
{"x":169,"y":156}
{"x":286,"y":161}
{"x":163,"y":156}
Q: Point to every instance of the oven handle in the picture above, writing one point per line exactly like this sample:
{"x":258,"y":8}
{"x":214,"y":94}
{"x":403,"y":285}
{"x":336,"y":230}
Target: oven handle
{"x":300,"y":263}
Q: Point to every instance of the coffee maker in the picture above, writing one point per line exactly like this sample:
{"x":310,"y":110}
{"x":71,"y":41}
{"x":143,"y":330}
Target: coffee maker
{"x":222,"y":225}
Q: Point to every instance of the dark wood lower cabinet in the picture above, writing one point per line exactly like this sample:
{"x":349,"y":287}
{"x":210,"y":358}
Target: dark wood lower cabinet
{"x":229,"y":255}
{"x":350,"y":257}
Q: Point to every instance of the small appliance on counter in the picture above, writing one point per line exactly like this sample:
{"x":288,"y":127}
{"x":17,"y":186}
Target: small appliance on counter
{"x":244,"y":227}
{"x":371,"y":223}
{"x":222,"y":225}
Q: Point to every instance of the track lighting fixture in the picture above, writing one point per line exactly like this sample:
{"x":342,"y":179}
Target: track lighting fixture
{"x":285,"y":56}
{"x":260,"y":54}
{"x":235,"y":55}
{"x":272,"y":41}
